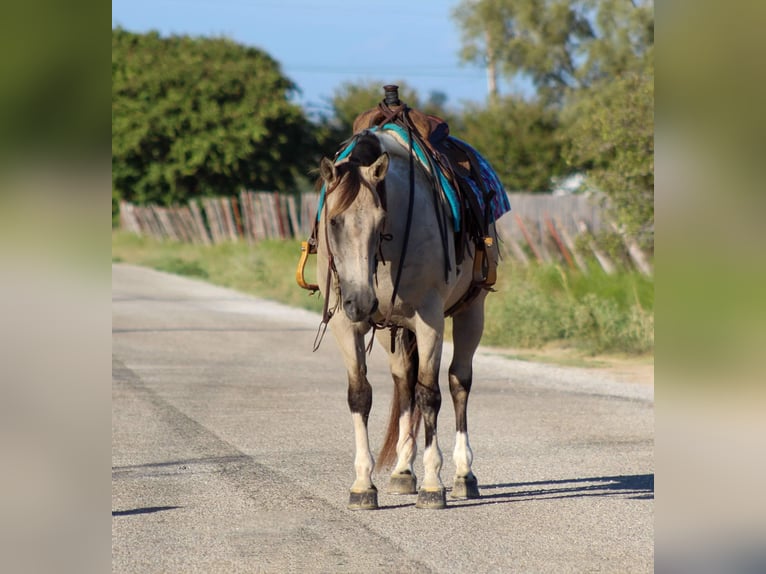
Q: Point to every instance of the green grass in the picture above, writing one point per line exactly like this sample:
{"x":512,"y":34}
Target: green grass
{"x":594,"y":312}
{"x":266,"y":269}
{"x":533,"y":307}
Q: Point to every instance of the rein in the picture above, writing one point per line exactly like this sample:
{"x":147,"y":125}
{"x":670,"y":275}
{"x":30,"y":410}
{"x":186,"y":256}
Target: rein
{"x":386,"y":323}
{"x":327,"y":313}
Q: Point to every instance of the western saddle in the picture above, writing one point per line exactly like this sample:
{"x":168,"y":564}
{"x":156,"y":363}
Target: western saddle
{"x":459,"y":164}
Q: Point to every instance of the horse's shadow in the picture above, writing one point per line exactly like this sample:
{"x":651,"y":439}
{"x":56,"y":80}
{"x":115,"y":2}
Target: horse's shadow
{"x":635,"y":486}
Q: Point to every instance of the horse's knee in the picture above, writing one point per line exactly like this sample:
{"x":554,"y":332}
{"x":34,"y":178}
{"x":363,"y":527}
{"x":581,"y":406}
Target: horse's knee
{"x":360,"y":397}
{"x":429,"y":400}
{"x":460,"y":381}
{"x":460,"y":388}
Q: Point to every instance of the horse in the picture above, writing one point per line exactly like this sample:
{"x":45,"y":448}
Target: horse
{"x":383,"y":265}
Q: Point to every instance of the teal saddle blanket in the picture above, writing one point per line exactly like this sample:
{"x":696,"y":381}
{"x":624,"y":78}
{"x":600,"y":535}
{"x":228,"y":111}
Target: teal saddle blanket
{"x":499,"y":203}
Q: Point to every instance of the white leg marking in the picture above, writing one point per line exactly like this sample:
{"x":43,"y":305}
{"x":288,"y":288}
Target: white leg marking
{"x":462,"y":455}
{"x":363,"y":462}
{"x":405,"y":446}
{"x":432,"y":466}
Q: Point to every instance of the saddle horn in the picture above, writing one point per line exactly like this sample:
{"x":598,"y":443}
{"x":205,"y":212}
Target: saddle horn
{"x":391,"y":95}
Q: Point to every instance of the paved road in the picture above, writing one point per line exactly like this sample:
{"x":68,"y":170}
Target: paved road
{"x":232,"y":451}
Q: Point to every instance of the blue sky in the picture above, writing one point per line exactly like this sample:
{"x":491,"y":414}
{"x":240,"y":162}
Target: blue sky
{"x":323,"y":43}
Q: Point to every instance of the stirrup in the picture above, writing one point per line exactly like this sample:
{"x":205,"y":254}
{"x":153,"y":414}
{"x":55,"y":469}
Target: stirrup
{"x":484,"y":266}
{"x":306,"y":250}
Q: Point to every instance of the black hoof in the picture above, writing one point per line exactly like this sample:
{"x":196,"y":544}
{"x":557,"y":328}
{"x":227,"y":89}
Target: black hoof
{"x":431,"y":499}
{"x":365,"y":500}
{"x":405,"y":483}
{"x":465,"y":487}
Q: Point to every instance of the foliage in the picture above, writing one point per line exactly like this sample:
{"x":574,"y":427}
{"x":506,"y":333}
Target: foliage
{"x":612,"y":131}
{"x":560,"y":45}
{"x":591,"y":63}
{"x":197,"y":116}
{"x":597,"y":313}
{"x":520,"y":139}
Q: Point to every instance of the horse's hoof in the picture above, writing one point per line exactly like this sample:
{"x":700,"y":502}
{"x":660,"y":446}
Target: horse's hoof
{"x":405,"y":483}
{"x":465,"y":487}
{"x":431,"y":499}
{"x":365,"y":500}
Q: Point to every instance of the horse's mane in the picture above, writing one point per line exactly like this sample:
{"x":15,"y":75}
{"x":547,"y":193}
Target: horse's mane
{"x":366,"y":150}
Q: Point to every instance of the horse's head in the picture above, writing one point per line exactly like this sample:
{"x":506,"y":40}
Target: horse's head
{"x":354,"y":218}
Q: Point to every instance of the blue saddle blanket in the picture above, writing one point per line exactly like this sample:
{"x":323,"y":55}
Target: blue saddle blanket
{"x":499,"y":204}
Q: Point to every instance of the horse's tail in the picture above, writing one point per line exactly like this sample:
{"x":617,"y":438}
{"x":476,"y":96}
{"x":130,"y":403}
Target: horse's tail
{"x":387,"y":455}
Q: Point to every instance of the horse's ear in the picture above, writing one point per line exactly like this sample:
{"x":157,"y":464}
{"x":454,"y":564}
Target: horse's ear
{"x":379,"y":168}
{"x":327,"y":170}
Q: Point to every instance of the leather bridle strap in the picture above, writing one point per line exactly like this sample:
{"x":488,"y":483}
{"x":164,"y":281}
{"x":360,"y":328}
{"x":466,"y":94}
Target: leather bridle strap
{"x":326,"y":312}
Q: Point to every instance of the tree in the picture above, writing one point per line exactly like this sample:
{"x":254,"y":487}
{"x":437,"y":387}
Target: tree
{"x":196,"y":116}
{"x":612,"y":132}
{"x":591,"y":63}
{"x":560,"y":45}
{"x":520,"y":139}
{"x":538,"y":39}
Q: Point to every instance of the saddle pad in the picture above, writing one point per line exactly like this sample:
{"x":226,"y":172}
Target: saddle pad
{"x":499,"y":202}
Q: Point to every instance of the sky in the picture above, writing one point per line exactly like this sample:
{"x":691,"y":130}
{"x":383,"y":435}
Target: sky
{"x":323,"y":43}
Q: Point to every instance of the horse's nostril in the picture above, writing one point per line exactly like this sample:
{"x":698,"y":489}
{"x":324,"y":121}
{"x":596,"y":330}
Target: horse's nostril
{"x":374,"y":306}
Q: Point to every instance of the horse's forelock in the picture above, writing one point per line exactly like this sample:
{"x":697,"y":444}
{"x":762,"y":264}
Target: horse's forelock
{"x":367,"y":149}
{"x":347,"y":188}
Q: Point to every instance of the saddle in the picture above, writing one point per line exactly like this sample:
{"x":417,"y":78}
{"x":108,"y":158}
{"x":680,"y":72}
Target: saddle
{"x":461,"y":167}
{"x":459,"y":164}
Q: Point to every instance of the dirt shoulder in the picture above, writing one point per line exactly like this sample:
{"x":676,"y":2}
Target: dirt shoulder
{"x":628,"y":369}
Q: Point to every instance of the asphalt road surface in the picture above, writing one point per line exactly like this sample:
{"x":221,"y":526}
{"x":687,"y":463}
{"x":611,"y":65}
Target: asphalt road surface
{"x":232,"y":451}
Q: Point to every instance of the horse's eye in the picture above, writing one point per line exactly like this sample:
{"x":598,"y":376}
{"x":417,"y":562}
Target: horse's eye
{"x":333,"y":221}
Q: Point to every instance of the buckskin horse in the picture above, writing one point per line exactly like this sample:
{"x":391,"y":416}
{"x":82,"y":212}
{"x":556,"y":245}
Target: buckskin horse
{"x":388,"y":261}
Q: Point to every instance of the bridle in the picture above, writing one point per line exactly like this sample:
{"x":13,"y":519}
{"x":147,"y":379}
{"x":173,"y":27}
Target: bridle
{"x":386,"y":322}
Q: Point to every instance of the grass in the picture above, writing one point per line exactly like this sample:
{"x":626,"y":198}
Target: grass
{"x":266,"y":269}
{"x":595,"y":313}
{"x":534,"y":307}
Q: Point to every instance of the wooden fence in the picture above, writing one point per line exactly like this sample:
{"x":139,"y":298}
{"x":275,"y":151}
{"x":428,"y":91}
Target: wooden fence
{"x":250,"y":217}
{"x":539,"y":227}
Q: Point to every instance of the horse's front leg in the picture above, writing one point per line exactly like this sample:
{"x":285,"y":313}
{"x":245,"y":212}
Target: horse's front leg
{"x":350,"y":338}
{"x":429,"y":330}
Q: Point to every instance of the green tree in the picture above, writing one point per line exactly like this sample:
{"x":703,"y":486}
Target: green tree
{"x":591,"y":63}
{"x":612,"y":133}
{"x":538,"y":39}
{"x":519,"y":138}
{"x":560,"y":45}
{"x":197,"y":116}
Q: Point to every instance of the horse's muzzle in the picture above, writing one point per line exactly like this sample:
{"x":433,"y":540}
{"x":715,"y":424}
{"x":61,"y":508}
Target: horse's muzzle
{"x":360,"y":308}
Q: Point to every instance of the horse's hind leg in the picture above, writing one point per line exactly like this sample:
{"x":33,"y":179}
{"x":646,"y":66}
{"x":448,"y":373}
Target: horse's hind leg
{"x":402,"y":426}
{"x":467,"y":328}
{"x":364,"y":495}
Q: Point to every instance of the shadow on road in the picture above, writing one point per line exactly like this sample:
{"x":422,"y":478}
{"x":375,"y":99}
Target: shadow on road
{"x":147,"y":510}
{"x":637,"y":487}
